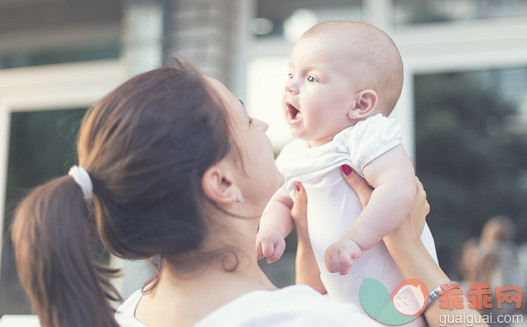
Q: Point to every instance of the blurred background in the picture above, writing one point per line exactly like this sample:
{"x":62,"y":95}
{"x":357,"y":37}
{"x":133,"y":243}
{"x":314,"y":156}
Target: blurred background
{"x":463,"y":107}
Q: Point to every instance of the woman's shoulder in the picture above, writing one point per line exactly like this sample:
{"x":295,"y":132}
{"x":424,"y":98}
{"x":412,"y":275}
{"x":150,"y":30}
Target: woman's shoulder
{"x":297,"y":305}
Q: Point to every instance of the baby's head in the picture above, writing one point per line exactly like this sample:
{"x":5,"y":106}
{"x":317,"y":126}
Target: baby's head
{"x":341,"y":72}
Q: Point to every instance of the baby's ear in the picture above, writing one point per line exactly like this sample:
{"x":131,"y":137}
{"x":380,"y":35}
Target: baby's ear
{"x":365,"y":104}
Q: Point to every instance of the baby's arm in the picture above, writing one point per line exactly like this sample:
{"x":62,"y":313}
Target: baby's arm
{"x":393,"y":179}
{"x":392,"y":175}
{"x":276,"y":223}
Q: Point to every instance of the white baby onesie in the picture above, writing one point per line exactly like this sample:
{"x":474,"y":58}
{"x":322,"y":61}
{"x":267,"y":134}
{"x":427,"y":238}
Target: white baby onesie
{"x":332,"y":204}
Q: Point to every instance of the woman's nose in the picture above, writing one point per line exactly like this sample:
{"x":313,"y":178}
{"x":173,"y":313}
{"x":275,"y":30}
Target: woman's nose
{"x":262,"y":124}
{"x":266,"y":126}
{"x":291,"y":87}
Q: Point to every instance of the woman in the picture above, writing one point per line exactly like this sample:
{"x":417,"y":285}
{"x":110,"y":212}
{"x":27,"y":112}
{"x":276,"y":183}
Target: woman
{"x":173,"y":169}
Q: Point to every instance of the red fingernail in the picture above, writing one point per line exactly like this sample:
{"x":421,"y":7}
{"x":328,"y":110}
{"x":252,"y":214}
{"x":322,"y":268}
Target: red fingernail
{"x":346,"y":169}
{"x":297,"y":187}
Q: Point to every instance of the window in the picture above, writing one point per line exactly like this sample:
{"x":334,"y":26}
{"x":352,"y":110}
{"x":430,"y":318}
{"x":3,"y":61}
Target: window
{"x":41,"y":147}
{"x":471,"y":152}
{"x":409,"y":12}
{"x":281,"y":18}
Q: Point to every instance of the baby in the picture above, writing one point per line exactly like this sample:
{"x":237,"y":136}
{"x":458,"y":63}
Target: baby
{"x":344,"y":79}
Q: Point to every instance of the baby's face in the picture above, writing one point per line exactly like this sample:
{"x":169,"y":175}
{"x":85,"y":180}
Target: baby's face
{"x":320,"y":90}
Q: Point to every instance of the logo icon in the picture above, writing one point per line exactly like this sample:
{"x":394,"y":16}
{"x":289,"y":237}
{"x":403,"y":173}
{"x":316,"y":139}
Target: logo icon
{"x":409,"y":296}
{"x":407,"y":301}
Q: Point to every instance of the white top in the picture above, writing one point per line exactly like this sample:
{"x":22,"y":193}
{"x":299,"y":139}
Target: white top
{"x":332,"y":205}
{"x":19,"y":321}
{"x":355,"y":146}
{"x":297,"y":305}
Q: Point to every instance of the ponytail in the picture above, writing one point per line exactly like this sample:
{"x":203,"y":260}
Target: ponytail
{"x":51,"y":233}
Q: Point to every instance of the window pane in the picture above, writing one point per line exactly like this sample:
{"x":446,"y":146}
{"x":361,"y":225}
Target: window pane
{"x":274,"y":16}
{"x":61,"y":55}
{"x":35,"y":32}
{"x":41,"y":147}
{"x":408,"y":12}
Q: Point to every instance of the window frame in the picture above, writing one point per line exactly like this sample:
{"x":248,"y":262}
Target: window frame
{"x":50,"y":87}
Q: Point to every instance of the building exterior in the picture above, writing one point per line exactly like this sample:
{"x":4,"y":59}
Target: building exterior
{"x":66,"y":54}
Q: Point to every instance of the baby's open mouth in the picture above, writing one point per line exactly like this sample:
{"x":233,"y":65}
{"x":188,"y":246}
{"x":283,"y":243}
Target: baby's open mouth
{"x":294,"y":114}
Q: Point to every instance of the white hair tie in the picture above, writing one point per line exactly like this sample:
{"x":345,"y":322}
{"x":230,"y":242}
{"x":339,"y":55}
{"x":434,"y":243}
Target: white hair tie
{"x":82,"y":178}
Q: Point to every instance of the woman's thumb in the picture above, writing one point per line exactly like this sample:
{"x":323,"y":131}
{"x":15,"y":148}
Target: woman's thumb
{"x":357,"y":183}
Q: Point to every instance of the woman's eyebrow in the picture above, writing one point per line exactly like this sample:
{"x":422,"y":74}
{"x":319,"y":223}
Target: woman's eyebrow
{"x":244,"y":109}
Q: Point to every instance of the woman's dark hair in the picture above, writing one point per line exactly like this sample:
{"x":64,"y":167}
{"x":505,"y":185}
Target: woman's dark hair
{"x":145,"y":146}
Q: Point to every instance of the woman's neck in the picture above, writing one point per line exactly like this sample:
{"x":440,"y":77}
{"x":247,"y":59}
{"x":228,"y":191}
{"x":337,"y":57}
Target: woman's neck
{"x":184,"y":298}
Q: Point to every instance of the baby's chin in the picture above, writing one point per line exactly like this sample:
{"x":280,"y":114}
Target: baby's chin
{"x":297,"y":134}
{"x":300,"y":135}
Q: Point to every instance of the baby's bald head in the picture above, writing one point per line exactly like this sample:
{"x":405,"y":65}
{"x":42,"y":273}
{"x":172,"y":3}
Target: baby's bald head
{"x":374,"y":50}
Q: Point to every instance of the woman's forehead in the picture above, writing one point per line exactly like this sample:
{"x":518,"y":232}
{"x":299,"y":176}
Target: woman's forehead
{"x":221,"y":90}
{"x":234,"y":105}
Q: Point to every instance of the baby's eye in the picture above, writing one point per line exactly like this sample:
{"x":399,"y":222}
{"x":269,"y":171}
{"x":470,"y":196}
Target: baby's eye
{"x":250,"y":121}
{"x":312,"y":79}
{"x":290,"y":75}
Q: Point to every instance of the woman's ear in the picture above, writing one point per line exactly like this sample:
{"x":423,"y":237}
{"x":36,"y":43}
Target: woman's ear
{"x":365,"y":103}
{"x":219,"y":186}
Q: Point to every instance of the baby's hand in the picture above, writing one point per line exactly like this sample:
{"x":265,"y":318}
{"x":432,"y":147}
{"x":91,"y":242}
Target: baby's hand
{"x":270,"y":246}
{"x":340,"y":255}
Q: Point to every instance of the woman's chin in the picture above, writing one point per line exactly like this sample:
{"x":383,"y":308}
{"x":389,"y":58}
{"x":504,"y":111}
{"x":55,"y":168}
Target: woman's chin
{"x":280,"y":180}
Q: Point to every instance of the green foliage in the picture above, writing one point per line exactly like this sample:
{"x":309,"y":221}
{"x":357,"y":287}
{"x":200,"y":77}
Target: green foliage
{"x":468,"y":160}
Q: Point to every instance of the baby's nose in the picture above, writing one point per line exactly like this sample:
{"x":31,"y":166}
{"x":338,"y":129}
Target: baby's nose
{"x":291,"y":87}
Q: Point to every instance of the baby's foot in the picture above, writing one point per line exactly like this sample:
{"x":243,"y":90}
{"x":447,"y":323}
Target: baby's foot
{"x":270,"y":246}
{"x":340,"y":255}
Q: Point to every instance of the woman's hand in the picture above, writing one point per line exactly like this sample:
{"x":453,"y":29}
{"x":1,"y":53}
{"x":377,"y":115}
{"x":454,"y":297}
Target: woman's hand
{"x":412,"y":257}
{"x":306,"y":268}
{"x":299,"y":210}
{"x":412,"y":227}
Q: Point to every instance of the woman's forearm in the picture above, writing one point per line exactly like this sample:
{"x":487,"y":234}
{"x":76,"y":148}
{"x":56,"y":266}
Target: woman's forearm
{"x":306,"y":268}
{"x":415,"y":262}
{"x":410,"y":254}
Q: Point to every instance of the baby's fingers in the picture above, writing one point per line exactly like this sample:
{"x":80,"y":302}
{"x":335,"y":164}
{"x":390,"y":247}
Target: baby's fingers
{"x":279,"y":248}
{"x":328,"y":257}
{"x":267,"y":248}
{"x":345,"y":260}
{"x":332,"y":260}
{"x":259,"y":251}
